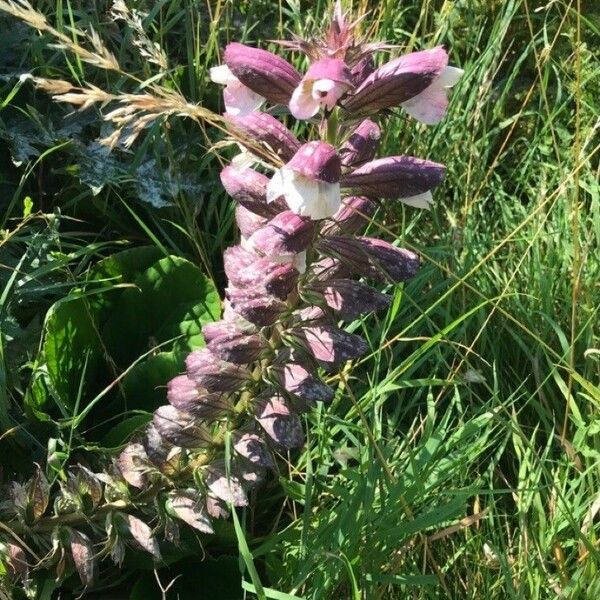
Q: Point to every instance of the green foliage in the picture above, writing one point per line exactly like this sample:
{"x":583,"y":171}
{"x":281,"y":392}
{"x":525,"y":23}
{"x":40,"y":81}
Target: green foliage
{"x":111,"y":347}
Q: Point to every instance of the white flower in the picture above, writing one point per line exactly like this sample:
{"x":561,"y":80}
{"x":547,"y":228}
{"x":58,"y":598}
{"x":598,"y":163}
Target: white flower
{"x":305,"y":196}
{"x":430,"y":105}
{"x":325,"y":82}
{"x":239,"y":99}
{"x":309,"y":96}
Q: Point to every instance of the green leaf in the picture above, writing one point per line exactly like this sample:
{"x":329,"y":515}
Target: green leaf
{"x":70,"y":343}
{"x":172,"y":299}
{"x":123,"y":430}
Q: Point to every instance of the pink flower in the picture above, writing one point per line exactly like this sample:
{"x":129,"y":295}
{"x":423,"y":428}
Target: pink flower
{"x":430,"y":105}
{"x":239,"y":99}
{"x":417,"y":81}
{"x":325,"y":82}
{"x":263,"y":72}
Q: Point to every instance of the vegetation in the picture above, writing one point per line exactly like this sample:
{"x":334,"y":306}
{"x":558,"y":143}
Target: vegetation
{"x":460,"y":456}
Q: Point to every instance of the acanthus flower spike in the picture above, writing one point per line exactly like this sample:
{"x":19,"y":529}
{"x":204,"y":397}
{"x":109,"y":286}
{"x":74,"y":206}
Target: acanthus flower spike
{"x":289,"y":281}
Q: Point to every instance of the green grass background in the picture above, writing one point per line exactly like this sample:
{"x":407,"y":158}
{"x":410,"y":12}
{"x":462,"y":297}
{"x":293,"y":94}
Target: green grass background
{"x":461,"y":456}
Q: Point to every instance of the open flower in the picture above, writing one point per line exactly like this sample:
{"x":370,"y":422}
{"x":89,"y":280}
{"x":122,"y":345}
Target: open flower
{"x":239,"y":99}
{"x":417,"y":81}
{"x":430,"y":105}
{"x":325,"y":82}
{"x":309,"y":182}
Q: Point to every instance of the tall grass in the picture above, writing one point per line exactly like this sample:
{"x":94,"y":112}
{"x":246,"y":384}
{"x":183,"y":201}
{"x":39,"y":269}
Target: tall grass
{"x":460,"y":459}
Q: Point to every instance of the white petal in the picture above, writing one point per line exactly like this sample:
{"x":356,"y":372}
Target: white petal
{"x":302,"y":104}
{"x":222,"y":75}
{"x":328,"y":92}
{"x":330,"y":200}
{"x":429,"y":106}
{"x":450,"y":76}
{"x":301,"y":193}
{"x":322,"y":87}
{"x":310,"y":197}
{"x":276,"y":186}
{"x":423,"y":200}
{"x":240,"y":100}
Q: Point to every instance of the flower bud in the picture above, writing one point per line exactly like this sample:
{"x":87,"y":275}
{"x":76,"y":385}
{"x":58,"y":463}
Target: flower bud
{"x":216,"y":508}
{"x":180,"y":428}
{"x":280,"y":423}
{"x":295,"y":379}
{"x":262,"y":128}
{"x":327,"y":343}
{"x":185,"y":395}
{"x":397,"y":177}
{"x":362,"y":144}
{"x":246,"y":269}
{"x":247,"y":221}
{"x":397,"y":81}
{"x":350,"y":299}
{"x":16,"y":562}
{"x":84,"y":557}
{"x":234,"y":343}
{"x":142,"y":534}
{"x":215,"y":329}
{"x":255,"y":305}
{"x":133,"y":465}
{"x":263,"y":72}
{"x":249,"y":188}
{"x":353,"y":215}
{"x":371,"y":257}
{"x":309,"y":182}
{"x":328,"y":267}
{"x":157,"y":448}
{"x":285,"y":234}
{"x":213,"y":374}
